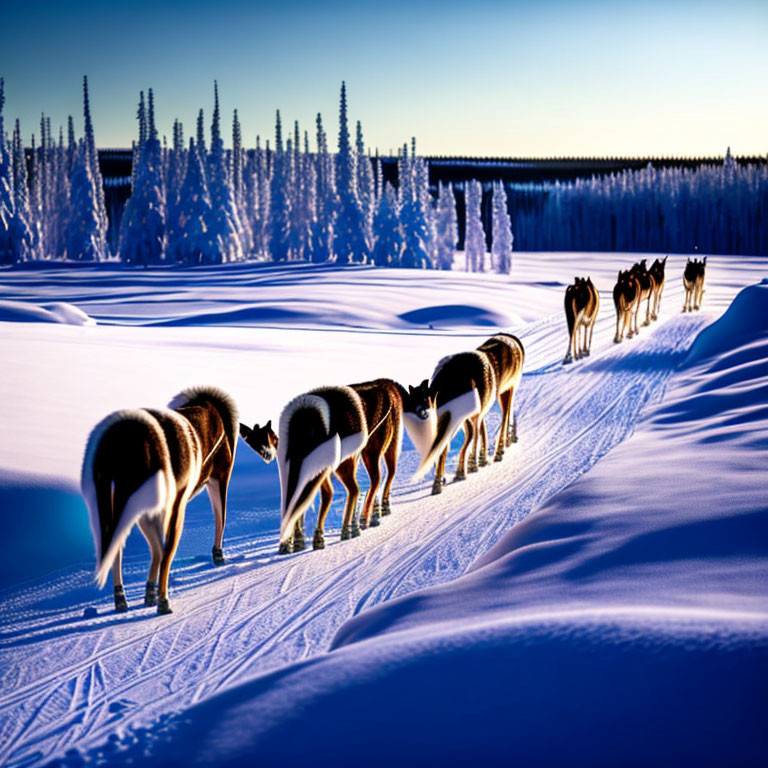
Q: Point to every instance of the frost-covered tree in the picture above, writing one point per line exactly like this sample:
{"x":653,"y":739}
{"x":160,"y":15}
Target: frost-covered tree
{"x":501,"y":228}
{"x":324,"y":224}
{"x":388,"y":249}
{"x":143,"y":230}
{"x":349,"y":229}
{"x":238,"y":187}
{"x":193,"y":240}
{"x":474,"y":240}
{"x":226,"y":221}
{"x":84,"y":239}
{"x":279,"y":200}
{"x":93,"y":161}
{"x":22,"y":236}
{"x":366,"y":187}
{"x":413,"y":221}
{"x":7,"y":251}
{"x":446,"y":226}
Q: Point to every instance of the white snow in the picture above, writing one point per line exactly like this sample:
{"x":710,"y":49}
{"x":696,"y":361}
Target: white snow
{"x":623,"y":617}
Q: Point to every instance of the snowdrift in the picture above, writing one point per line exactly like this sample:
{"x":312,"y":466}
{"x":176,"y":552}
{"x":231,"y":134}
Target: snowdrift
{"x":56,"y":312}
{"x":624,"y":623}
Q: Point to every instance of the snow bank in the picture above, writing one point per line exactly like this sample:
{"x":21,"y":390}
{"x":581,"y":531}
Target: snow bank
{"x":56,"y":312}
{"x":746,"y":319}
{"x":624,"y":623}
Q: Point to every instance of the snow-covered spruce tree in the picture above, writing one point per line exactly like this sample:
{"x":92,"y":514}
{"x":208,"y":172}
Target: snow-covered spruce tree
{"x":84,"y":241}
{"x":258,"y":187}
{"x":323,"y":227}
{"x":226,"y":221}
{"x":93,"y":161}
{"x":447,"y":227}
{"x":143,"y":236}
{"x":388,"y":248}
{"x":36,"y":215}
{"x":193,"y":241}
{"x":366,"y":187}
{"x":474,"y":240}
{"x":7,"y":251}
{"x":295,"y":181}
{"x":349,"y":230}
{"x":427,"y":205}
{"x":60,"y":195}
{"x":238,"y":187}
{"x":308,"y":198}
{"x":86,"y":226}
{"x":22,"y":237}
{"x":279,"y":200}
{"x":501,"y":226}
{"x":175,"y":174}
{"x":416,"y":234}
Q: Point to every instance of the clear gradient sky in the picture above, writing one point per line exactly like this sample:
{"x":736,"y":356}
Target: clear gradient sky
{"x":480,"y":77}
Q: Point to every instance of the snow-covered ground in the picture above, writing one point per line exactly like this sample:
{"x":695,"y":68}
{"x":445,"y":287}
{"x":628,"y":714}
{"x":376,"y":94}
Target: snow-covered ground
{"x":573,"y":635}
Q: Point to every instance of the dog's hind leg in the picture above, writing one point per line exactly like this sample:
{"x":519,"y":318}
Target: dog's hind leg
{"x":501,"y":438}
{"x":121,"y":603}
{"x":482,"y":460}
{"x":372,"y":462}
{"x":152,"y":529}
{"x":346,"y":472}
{"x":217,"y":493}
{"x":468,"y":435}
{"x":175,"y":527}
{"x":326,"y":496}
{"x":391,"y":457}
{"x":437,"y":485}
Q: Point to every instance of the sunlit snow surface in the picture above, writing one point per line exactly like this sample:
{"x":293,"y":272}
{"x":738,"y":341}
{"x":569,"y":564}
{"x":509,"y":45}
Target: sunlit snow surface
{"x":634,"y":598}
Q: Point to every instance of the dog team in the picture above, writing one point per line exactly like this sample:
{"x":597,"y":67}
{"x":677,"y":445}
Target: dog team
{"x":142,"y":466}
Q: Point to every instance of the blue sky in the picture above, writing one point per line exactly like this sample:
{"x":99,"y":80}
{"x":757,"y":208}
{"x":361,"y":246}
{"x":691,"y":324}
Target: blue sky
{"x":549,"y":78}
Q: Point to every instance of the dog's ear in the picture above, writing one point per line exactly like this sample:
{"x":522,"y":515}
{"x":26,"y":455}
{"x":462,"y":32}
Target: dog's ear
{"x":268,"y":425}
{"x":410,"y":389}
{"x":244,"y":431}
{"x":425,"y":383}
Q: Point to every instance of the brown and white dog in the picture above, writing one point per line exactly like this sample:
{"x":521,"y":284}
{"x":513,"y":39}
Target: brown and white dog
{"x":387,"y":407}
{"x":626,"y":293}
{"x":321,"y":433}
{"x":657,"y":273}
{"x":506,"y":355}
{"x":463,"y":389}
{"x":693,"y":282}
{"x":647,"y":287}
{"x":142,"y":467}
{"x":582,"y":303}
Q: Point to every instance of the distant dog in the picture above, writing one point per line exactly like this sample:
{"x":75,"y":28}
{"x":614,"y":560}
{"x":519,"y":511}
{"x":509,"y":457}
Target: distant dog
{"x":582,"y":303}
{"x":693,"y":282}
{"x":647,"y":286}
{"x":463,"y":388}
{"x":506,"y":355}
{"x":143,"y":466}
{"x":657,"y":273}
{"x":626,"y":293}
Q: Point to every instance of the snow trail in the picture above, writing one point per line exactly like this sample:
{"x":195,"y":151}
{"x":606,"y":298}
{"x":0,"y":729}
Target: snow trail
{"x":69,"y":679}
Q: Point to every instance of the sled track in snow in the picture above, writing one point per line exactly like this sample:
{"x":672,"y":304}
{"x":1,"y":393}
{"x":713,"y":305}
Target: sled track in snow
{"x":71,"y":681}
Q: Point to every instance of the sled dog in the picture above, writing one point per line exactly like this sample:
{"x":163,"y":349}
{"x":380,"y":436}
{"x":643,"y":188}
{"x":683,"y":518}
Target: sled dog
{"x":582,"y":303}
{"x":506,"y":355}
{"x":142,"y":466}
{"x":321,"y":432}
{"x":463,"y":388}
{"x":657,"y":273}
{"x":647,"y":286}
{"x":625,"y":296}
{"x":693,"y":282}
